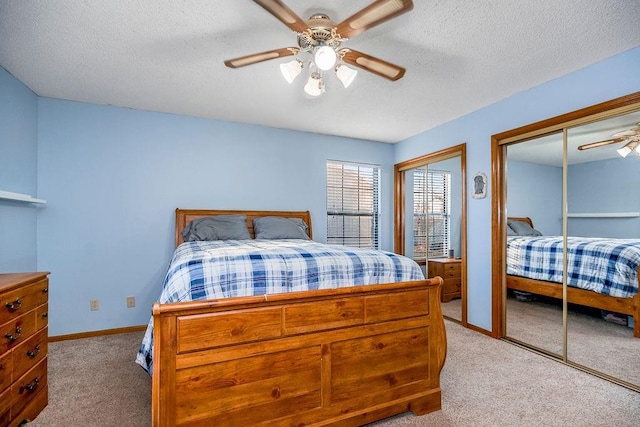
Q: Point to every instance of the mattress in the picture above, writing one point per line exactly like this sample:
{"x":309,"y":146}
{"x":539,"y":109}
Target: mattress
{"x":235,"y":268}
{"x":606,"y":266}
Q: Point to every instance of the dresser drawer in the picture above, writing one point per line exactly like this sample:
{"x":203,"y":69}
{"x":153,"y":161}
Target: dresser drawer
{"x":451,"y":286}
{"x":42,"y":316}
{"x":16,"y":331}
{"x":29,"y":353}
{"x":24,"y":389}
{"x":19,"y":301}
{"x":451,"y":270}
{"x":36,"y":404}
{"x":6,"y":371}
{"x":5,"y":407}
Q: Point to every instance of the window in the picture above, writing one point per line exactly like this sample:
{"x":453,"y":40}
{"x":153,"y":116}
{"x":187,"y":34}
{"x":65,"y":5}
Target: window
{"x":431,"y":194}
{"x":352,"y":204}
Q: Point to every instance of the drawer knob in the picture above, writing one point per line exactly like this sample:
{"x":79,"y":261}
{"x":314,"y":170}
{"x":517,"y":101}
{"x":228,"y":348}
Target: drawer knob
{"x":13,"y":306}
{"x":32,"y":386}
{"x":12,"y":337}
{"x":33,"y":353}
{"x":45,"y":290}
{"x":45,"y":315}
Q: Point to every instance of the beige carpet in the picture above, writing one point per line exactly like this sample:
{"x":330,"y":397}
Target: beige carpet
{"x":453,"y":309}
{"x":95,"y":382}
{"x":597,"y":344}
{"x":485,"y":382}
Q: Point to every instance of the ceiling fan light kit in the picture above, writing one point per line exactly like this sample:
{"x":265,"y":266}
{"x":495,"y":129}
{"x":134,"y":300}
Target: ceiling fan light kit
{"x":631,"y":145}
{"x":314,"y":86}
{"x":325,"y":58}
{"x":291,"y":69}
{"x":346,"y":75}
{"x":630,"y":137}
{"x":320,"y":38}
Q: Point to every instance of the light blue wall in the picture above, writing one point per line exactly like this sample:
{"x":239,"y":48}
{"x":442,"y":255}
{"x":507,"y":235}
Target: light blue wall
{"x":18,"y":174}
{"x":593,"y":187}
{"x":535,"y":191}
{"x":113,"y":178}
{"x":608,"y":186}
{"x":612,"y":78}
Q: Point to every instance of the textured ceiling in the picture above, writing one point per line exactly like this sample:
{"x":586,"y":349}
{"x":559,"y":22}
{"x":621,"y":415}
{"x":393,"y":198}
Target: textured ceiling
{"x":167,"y":56}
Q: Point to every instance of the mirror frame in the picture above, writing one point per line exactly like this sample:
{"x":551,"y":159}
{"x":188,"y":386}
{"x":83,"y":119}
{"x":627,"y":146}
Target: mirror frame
{"x":499,"y":143}
{"x":399,"y":208}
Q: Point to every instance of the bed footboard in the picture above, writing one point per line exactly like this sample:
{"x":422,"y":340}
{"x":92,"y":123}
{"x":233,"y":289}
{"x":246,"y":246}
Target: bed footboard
{"x":348,"y":356}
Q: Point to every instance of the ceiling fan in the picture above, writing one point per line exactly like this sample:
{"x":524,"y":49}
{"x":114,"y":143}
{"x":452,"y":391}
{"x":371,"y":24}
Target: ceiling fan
{"x":320,"y":39}
{"x":630,"y":138}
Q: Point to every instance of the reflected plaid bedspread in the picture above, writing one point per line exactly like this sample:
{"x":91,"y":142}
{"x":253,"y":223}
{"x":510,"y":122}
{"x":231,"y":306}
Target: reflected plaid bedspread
{"x":233,"y":268}
{"x":606,"y":266}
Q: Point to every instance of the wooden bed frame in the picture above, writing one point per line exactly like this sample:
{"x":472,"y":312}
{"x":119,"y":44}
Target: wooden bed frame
{"x":629,"y":306}
{"x":344,"y":356}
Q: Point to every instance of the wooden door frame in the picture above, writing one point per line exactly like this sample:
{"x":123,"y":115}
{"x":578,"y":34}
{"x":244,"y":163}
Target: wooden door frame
{"x":399,"y":210}
{"x":499,"y":143}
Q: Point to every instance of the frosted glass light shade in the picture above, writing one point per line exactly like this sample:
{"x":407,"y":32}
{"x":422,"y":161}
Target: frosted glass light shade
{"x":314,"y":85}
{"x":325,"y":58}
{"x":624,"y":151}
{"x":290,"y":70}
{"x":346,"y":74}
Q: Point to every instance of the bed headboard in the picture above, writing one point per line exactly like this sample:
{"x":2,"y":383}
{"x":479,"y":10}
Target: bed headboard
{"x":184,"y":216}
{"x":523,"y":219}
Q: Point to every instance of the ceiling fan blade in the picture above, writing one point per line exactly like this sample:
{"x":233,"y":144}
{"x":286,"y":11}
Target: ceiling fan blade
{"x":374,"y":65}
{"x":262,"y":56}
{"x":634,"y":131}
{"x":600,"y":143}
{"x":287,"y":16}
{"x":626,"y":133}
{"x":375,"y":14}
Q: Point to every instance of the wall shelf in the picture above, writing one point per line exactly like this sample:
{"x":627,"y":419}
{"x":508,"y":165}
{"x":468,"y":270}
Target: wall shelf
{"x":605,"y":215}
{"x":19,"y":197}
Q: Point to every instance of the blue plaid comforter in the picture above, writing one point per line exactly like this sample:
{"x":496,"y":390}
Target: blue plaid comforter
{"x":233,"y":268}
{"x":606,"y":266}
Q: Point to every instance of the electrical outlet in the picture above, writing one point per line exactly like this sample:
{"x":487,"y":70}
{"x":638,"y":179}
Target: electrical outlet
{"x":94,"y":304}
{"x":131,"y":302}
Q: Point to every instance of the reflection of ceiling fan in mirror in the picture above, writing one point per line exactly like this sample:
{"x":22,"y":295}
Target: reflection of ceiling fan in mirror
{"x":630,"y":138}
{"x":319,"y":41}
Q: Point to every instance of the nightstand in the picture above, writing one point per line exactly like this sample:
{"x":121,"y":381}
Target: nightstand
{"x":450,"y":271}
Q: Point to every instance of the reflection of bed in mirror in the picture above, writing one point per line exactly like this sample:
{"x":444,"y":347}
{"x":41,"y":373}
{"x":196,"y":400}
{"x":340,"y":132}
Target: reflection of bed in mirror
{"x":602,"y":273}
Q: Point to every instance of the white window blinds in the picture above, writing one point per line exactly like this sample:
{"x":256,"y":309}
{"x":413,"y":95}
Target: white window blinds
{"x":352,"y":204}
{"x":431,"y":213}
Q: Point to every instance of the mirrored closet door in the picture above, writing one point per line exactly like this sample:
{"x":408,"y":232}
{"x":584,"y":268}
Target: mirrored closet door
{"x":430,"y":221}
{"x":603,"y":216}
{"x":534,"y":221}
{"x":566,"y":255}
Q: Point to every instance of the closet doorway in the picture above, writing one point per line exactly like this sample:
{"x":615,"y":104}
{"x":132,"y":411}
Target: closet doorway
{"x":430,"y":221}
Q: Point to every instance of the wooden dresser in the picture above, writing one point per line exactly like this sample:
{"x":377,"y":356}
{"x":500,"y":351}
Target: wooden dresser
{"x":450,"y":271}
{"x":23,"y":346}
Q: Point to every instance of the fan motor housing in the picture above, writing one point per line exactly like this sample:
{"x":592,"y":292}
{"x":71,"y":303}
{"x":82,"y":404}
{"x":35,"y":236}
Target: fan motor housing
{"x":320,"y":32}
